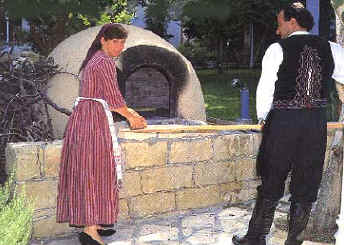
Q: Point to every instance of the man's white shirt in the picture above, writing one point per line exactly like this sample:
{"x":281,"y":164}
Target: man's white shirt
{"x":271,"y":62}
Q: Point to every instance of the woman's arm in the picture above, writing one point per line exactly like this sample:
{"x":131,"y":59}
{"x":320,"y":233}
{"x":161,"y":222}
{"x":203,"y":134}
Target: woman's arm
{"x":107,"y":77}
{"x":136,"y":121}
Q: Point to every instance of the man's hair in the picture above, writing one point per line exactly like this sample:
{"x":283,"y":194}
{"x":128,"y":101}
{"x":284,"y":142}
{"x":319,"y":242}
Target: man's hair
{"x":297,"y":11}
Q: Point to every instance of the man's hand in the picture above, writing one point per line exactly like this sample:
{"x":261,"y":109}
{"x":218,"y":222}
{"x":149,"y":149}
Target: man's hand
{"x":261,"y":122}
{"x":340,"y":91}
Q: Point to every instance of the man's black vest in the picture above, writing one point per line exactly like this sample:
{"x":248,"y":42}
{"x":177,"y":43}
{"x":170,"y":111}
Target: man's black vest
{"x":304,"y":74}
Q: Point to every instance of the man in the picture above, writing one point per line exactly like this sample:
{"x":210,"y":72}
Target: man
{"x":291,"y":103}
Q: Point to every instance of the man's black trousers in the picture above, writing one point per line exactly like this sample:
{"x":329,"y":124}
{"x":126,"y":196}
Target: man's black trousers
{"x":294,"y":140}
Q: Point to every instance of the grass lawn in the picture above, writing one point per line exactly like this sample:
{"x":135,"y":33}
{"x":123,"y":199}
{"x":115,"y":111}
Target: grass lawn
{"x":223,"y":102}
{"x":221,"y":99}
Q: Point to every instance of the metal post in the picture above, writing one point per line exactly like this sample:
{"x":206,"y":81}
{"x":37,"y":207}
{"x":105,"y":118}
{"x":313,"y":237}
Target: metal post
{"x":313,"y":7}
{"x":245,"y":102}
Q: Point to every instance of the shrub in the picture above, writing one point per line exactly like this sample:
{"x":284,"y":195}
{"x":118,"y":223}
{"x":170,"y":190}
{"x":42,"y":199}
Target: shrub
{"x":196,"y":54}
{"x":16,"y":214}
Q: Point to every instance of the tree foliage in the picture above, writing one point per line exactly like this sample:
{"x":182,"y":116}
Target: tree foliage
{"x":338,"y":6}
{"x":158,"y":13}
{"x":337,"y":3}
{"x":223,"y":22}
{"x":51,"y":21}
{"x":157,"y":16}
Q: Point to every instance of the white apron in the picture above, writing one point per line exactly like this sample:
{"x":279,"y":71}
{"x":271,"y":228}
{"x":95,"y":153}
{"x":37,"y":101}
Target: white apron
{"x":117,"y":152}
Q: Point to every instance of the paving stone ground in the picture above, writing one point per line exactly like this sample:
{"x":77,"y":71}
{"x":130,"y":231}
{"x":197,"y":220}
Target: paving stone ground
{"x":209,"y":226}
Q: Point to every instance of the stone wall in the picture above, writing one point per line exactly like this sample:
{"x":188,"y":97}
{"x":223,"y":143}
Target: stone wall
{"x":164,"y":173}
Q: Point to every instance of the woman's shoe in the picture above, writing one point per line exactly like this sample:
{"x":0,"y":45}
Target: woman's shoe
{"x":86,"y":239}
{"x":106,"y":232}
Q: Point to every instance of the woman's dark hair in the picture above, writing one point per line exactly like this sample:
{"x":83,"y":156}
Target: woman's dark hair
{"x":297,"y":11}
{"x":108,"y":31}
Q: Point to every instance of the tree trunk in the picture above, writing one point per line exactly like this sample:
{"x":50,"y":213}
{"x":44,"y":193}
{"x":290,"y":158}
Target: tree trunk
{"x":251,"y":64}
{"x":219,"y":54}
{"x":260,"y":45}
{"x":245,"y":51}
{"x":322,"y":224}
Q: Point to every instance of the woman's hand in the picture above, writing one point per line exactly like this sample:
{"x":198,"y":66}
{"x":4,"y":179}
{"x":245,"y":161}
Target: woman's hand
{"x":136,"y":121}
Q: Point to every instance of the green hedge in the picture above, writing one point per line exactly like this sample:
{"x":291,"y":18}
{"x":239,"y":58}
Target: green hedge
{"x":16,"y":214}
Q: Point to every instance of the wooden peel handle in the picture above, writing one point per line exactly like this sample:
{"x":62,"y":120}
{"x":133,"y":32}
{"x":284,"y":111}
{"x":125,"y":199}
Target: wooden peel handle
{"x":209,"y":128}
{"x":335,"y":125}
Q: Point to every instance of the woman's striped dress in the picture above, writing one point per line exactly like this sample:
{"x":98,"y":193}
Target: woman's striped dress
{"x":87,"y":191}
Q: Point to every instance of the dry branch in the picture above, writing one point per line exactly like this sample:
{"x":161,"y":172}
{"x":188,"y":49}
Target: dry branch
{"x":23,"y":102}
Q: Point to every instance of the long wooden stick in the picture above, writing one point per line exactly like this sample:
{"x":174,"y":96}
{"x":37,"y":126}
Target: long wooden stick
{"x":209,"y":128}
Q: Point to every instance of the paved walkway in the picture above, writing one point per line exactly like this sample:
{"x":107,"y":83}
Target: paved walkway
{"x":211,"y":226}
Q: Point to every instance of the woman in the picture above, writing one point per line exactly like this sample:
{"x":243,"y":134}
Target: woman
{"x":88,"y":186}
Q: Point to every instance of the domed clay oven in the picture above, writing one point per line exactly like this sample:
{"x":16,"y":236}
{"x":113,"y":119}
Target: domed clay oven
{"x":153,"y":76}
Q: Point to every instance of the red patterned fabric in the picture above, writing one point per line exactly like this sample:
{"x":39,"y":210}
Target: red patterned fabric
{"x":87,"y":191}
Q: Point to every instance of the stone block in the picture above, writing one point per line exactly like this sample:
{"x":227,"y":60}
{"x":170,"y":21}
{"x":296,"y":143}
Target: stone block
{"x":231,"y":187}
{"x":11,"y":158}
{"x":214,"y":173}
{"x":226,"y":147}
{"x":246,"y":195}
{"x":198,"y":198}
{"x":257,"y":139}
{"x":329,"y":140}
{"x":229,"y":192}
{"x":168,"y":178}
{"x":136,"y":136}
{"x":123,"y":209}
{"x":245,"y":169}
{"x":158,"y":234}
{"x":155,"y":203}
{"x":52,"y":160}
{"x":41,"y":213}
{"x":198,"y":135}
{"x":48,"y":228}
{"x":190,"y":151}
{"x":254,"y":183}
{"x":143,"y":154}
{"x":131,"y":185}
{"x":42,"y":193}
{"x":28,"y":159}
{"x":246,"y":144}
